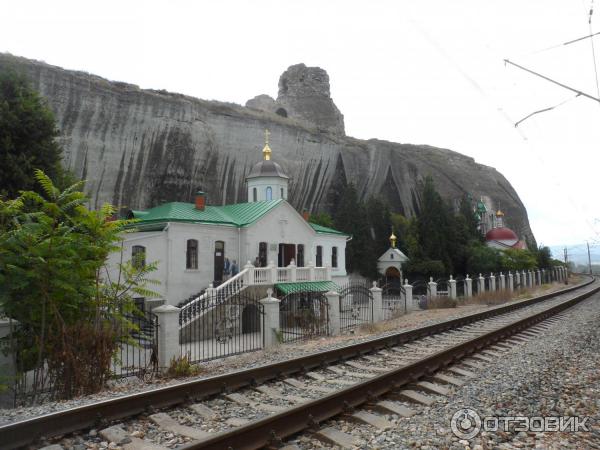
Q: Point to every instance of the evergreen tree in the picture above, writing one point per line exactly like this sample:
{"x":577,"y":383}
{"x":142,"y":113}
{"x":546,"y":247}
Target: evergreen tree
{"x":27,"y":137}
{"x":434,"y":226}
{"x":380,"y":222}
{"x":351,"y":217}
{"x":323,"y":219}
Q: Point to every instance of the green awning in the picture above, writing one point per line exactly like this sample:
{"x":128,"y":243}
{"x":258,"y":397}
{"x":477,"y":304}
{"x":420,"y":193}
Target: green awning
{"x":307,"y":286}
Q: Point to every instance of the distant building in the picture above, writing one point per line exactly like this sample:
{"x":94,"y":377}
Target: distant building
{"x":497,"y":235}
{"x":390,"y":263}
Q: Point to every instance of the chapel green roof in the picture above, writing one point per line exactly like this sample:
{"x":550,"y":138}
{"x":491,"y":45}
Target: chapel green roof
{"x":238,"y":214}
{"x":326,"y":230}
{"x":307,"y":286}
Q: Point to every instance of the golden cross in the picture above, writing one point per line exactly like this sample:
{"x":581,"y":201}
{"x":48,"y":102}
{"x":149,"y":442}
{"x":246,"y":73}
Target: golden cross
{"x":267,"y":133}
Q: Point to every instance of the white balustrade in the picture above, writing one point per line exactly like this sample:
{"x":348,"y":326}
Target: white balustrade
{"x":254,"y":276}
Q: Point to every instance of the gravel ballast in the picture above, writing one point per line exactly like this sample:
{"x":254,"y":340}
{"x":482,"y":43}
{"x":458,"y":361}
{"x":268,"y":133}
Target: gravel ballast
{"x":553,"y":374}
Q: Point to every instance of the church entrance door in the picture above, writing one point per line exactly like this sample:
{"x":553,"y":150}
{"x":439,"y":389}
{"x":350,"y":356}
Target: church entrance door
{"x":287,"y":252}
{"x":392,"y":277}
{"x":219,"y":262}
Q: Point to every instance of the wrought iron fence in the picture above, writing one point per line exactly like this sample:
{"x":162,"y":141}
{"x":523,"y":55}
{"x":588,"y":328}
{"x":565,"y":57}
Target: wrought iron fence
{"x":394,"y":302}
{"x":461,"y":287}
{"x":356,"y":305}
{"x":421,"y":293}
{"x":221,"y":326}
{"x":442,"y":287}
{"x":303,"y":315}
{"x":138,"y":346}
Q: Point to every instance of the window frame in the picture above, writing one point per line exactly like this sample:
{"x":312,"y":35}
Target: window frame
{"x":191,"y":259}
{"x":137,"y":261}
{"x":319,"y":256}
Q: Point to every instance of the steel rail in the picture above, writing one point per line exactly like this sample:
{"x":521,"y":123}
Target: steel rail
{"x":272,"y":429}
{"x":24,"y":432}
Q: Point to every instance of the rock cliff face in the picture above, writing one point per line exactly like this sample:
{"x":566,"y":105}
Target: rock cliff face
{"x":139,"y":147}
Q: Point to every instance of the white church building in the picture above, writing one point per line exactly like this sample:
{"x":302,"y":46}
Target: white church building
{"x":262,"y":242}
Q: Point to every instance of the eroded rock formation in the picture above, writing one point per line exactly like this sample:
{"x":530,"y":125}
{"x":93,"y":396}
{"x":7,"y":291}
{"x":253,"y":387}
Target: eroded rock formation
{"x":140,"y":147}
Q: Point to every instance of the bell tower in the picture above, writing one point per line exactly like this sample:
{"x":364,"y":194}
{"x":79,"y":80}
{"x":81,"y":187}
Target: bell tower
{"x":267,"y":181}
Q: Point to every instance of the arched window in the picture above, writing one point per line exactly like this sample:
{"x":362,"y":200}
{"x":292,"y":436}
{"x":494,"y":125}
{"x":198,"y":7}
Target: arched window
{"x":269,"y":193}
{"x":191,"y":254}
{"x":281,"y":112}
{"x":138,"y":256}
{"x":254,"y":195}
{"x":334,"y":257}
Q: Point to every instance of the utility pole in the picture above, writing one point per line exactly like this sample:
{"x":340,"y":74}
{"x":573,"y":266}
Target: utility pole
{"x":567,"y":266}
{"x":589,"y":258}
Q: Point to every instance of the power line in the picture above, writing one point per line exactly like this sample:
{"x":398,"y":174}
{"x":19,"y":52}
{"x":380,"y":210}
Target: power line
{"x":553,"y":81}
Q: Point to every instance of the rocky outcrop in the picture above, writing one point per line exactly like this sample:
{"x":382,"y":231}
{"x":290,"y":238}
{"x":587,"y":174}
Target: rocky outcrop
{"x":139,"y":147}
{"x":304,"y":95}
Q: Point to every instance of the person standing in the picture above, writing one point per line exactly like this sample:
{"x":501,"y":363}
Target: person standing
{"x":234,"y":268}
{"x":226,"y":269}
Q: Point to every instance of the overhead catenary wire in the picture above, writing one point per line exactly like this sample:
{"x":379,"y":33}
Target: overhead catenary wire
{"x":545,"y":109}
{"x":593,"y":49}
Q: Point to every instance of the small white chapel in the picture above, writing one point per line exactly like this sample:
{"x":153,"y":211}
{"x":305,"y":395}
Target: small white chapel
{"x":197,"y":244}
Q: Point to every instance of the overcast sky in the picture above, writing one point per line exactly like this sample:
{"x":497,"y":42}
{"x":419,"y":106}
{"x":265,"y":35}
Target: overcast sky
{"x":411,"y":72}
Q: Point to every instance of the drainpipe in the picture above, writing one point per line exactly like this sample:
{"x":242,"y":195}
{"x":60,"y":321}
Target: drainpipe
{"x":240,"y":249}
{"x":168,"y":264}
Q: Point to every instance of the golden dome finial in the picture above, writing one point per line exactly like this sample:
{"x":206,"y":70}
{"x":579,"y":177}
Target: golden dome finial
{"x":393,"y":239}
{"x":267,"y":149}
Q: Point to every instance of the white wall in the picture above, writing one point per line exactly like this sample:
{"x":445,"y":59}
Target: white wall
{"x":328,"y":241}
{"x":281,"y":225}
{"x":156,"y":250}
{"x":183,"y":282}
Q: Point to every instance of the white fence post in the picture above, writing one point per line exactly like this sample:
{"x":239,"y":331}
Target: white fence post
{"x":481,"y":286}
{"x":452,"y":287}
{"x":272,"y":273}
{"x":432,"y":288}
{"x":292,"y":272}
{"x":468,"y":286}
{"x":408,"y":297}
{"x":492,"y":282}
{"x":510,"y":281}
{"x":377,"y":303}
{"x":269,"y":321}
{"x":249,"y":274}
{"x":311,"y":271}
{"x":168,"y":334}
{"x":333,"y":299}
{"x":502,"y":282}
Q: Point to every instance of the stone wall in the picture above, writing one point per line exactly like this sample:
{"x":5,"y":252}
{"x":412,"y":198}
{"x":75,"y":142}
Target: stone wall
{"x":139,"y":147}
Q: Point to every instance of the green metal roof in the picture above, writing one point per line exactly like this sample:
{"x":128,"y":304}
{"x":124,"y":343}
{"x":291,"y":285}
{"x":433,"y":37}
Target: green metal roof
{"x":239,"y":214}
{"x":307,"y":286}
{"x":326,"y":230}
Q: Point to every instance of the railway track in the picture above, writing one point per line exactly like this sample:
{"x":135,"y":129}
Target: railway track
{"x":263,"y":406}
